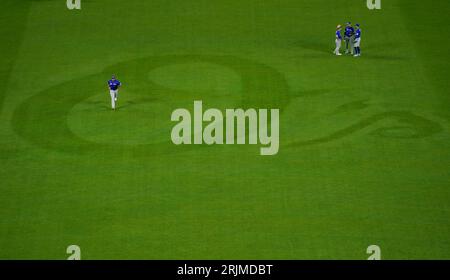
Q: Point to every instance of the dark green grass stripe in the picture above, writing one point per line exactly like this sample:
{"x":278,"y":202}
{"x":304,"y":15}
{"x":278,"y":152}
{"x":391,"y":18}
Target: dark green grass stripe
{"x":424,"y":19}
{"x":13,"y":20}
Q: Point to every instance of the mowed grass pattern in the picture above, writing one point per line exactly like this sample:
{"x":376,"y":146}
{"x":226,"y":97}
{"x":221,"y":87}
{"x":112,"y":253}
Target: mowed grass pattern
{"x":364,"y":156}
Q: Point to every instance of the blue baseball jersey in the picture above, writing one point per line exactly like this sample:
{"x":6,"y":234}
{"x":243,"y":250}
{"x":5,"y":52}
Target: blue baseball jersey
{"x":358,"y":33}
{"x":349,"y":31}
{"x":338,"y":35}
{"x":114,"y":84}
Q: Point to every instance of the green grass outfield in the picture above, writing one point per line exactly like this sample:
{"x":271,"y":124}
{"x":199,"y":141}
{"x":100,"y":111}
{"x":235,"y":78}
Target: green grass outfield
{"x":365,"y":144}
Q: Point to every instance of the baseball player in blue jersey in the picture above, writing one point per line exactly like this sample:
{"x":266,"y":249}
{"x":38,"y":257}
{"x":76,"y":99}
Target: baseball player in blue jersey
{"x":357,"y":43}
{"x":338,"y":40}
{"x":114,"y":86}
{"x":349,"y":38}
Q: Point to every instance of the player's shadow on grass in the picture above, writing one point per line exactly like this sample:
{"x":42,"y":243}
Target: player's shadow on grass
{"x":131,"y":103}
{"x":106,"y":107}
{"x":126,"y":105}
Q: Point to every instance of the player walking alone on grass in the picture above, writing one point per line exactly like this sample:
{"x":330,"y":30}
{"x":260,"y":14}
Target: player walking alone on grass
{"x":338,"y":40}
{"x":114,"y":86}
{"x":349,"y":38}
{"x":357,"y":41}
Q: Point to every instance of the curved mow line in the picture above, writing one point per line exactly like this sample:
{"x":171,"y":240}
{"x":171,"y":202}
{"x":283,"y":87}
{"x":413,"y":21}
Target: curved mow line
{"x":424,"y":127}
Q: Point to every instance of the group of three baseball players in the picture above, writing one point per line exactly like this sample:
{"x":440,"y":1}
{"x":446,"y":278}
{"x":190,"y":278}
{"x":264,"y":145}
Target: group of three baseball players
{"x":352,"y":40}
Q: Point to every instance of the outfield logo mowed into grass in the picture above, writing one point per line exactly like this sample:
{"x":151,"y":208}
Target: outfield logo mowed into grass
{"x":75,"y":117}
{"x":260,"y":86}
